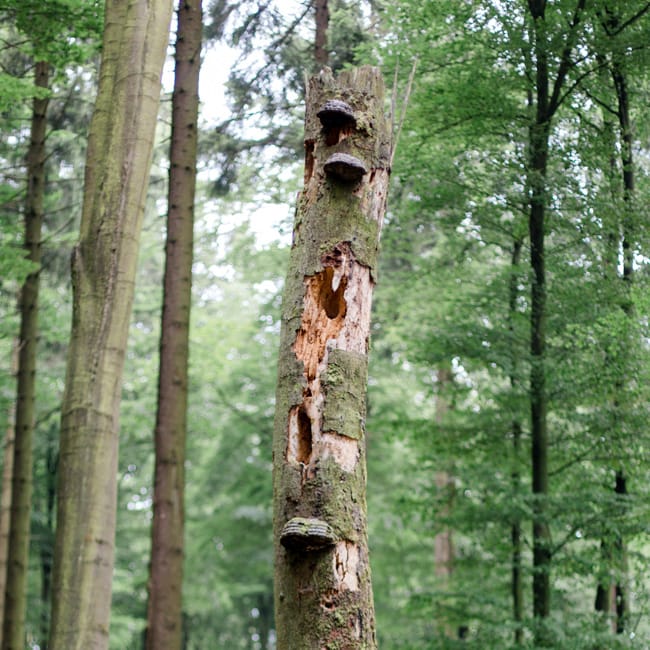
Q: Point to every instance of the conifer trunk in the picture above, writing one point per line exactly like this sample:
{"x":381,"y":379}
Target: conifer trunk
{"x":118,"y":161}
{"x":5,"y":502}
{"x":321,"y":54}
{"x":323,"y":596}
{"x":15,"y":606}
{"x":164,"y":617}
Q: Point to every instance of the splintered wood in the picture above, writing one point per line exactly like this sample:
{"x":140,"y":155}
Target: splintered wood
{"x":336,"y":315}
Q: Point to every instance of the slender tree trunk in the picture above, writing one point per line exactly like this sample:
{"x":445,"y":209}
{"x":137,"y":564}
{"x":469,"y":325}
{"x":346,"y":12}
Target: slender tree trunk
{"x":164,"y":616}
{"x":47,"y":544}
{"x":103,"y":272}
{"x":5,"y":499}
{"x":517,"y":583}
{"x":323,"y":595}
{"x":321,"y":54}
{"x":619,"y":78}
{"x":538,"y":394}
{"x":15,"y":607}
{"x":546,"y":102}
{"x":443,"y":546}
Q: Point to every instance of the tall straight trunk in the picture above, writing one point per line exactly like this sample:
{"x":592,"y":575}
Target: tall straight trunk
{"x":546,"y":99}
{"x":164,"y":615}
{"x":323,"y":595}
{"x":619,"y":78}
{"x":321,"y":54}
{"x":118,"y":161}
{"x":538,"y":395}
{"x":15,"y":606}
{"x":517,"y":583}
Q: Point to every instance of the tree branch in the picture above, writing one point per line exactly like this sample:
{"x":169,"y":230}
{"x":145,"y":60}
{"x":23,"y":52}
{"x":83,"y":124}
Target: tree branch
{"x":565,"y":61}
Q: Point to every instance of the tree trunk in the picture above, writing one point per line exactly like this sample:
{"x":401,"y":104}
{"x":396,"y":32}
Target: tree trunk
{"x":47,"y":543}
{"x":321,"y":54}
{"x":547,"y":101}
{"x":103,"y":272}
{"x":5,"y":498}
{"x":517,"y":583}
{"x":627,"y":163}
{"x":323,"y":595}
{"x":538,"y":396}
{"x":15,"y":606}
{"x":164,"y":616}
{"x":443,"y":546}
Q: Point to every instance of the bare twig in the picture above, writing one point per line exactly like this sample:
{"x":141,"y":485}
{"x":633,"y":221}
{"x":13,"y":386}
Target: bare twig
{"x":409,"y":87}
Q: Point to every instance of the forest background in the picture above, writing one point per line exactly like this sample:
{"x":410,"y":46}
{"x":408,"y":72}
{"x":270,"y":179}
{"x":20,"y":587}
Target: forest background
{"x":458,"y":364}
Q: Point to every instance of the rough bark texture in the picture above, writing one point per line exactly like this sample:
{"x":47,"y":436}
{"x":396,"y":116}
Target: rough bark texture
{"x":164,"y":616}
{"x":15,"y":606}
{"x":323,"y":596}
{"x":103,"y":272}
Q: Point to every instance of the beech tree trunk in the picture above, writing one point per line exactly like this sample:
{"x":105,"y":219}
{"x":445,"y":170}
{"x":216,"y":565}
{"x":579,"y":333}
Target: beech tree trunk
{"x":619,"y":78}
{"x":15,"y":605}
{"x":118,"y":161}
{"x":164,"y":616}
{"x":323,"y":596}
{"x":516,"y":533}
{"x":546,"y":98}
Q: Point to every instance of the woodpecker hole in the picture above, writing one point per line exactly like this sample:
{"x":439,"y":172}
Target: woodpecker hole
{"x":332,"y":300}
{"x":300,"y":436}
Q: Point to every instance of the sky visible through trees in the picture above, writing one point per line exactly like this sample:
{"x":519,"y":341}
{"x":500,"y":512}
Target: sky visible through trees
{"x":505,"y":428}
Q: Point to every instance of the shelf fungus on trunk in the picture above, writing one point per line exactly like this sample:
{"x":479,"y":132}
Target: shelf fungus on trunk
{"x":336,"y":113}
{"x":307,"y":534}
{"x":345,"y":167}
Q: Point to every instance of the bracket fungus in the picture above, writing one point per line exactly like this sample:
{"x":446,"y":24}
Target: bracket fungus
{"x":336,"y":113}
{"x":307,"y":534}
{"x":345,"y":167}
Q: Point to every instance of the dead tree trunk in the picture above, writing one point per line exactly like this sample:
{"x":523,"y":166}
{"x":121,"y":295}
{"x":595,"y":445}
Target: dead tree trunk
{"x":323,"y":595}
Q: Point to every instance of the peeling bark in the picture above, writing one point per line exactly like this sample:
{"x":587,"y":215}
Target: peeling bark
{"x":323,"y":596}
